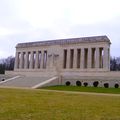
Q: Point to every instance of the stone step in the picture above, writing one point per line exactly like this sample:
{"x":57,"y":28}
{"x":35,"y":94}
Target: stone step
{"x":4,"y":77}
{"x":24,"y":81}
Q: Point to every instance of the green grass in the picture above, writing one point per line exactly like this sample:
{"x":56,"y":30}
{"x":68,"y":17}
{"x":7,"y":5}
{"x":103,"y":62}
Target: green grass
{"x":85,"y":89}
{"x":20,"y":104}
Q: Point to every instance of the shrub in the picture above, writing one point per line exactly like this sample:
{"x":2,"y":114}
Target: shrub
{"x":106,"y":85}
{"x":116,"y":85}
{"x":68,"y":83}
{"x":78,"y":83}
{"x":85,"y":84}
{"x":3,"y":79}
{"x":95,"y":84}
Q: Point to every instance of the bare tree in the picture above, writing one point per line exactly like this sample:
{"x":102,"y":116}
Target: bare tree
{"x":7,"y":64}
{"x":115,"y":64}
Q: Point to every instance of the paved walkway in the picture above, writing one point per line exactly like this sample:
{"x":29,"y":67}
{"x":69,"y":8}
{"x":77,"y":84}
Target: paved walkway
{"x":68,"y":92}
{"x":82,"y":93}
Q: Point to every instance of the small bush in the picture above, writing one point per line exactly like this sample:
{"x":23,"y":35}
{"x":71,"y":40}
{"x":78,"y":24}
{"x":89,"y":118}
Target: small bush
{"x":78,"y":83}
{"x":3,"y":79}
{"x":116,"y":86}
{"x":106,"y":85}
{"x":85,"y":84}
{"x":68,"y":83}
{"x":95,"y":84}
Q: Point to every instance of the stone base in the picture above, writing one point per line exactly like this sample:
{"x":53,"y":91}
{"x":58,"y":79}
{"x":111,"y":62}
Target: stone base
{"x":111,"y":78}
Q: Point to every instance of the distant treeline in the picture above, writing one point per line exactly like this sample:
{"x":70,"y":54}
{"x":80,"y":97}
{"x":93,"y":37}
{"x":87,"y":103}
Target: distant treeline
{"x":8,"y":64}
{"x":115,"y":64}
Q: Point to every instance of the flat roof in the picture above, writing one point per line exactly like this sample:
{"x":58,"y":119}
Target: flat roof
{"x":65,"y":41}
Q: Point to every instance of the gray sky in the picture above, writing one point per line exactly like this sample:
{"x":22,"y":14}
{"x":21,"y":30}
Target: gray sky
{"x":35,"y":20}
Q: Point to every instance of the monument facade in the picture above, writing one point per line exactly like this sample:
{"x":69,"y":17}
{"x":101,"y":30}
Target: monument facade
{"x":83,"y":54}
{"x":75,"y":60}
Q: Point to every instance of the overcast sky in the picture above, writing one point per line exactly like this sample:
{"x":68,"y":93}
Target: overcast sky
{"x":36,"y":20}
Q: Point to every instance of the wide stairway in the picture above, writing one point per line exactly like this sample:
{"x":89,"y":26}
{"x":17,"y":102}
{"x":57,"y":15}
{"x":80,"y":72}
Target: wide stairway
{"x":22,"y":81}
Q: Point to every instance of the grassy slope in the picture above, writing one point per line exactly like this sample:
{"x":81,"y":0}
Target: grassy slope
{"x":85,"y":89}
{"x":17,"y":104}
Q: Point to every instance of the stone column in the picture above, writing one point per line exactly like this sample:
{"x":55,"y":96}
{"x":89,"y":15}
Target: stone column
{"x":26,"y":60}
{"x":48,"y":59}
{"x":21,"y":60}
{"x":31,"y":60}
{"x":82,"y":58}
{"x":89,"y":57}
{"x":109,"y":58}
{"x":97,"y":58}
{"x":46,"y":62}
{"x":68,"y":58}
{"x":16,"y":60}
{"x":37,"y":59}
{"x":105,"y":58}
{"x":42,"y":60}
{"x":75,"y":59}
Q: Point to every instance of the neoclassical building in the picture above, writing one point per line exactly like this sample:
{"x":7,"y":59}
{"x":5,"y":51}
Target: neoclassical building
{"x":78,"y":54}
{"x":75,"y":61}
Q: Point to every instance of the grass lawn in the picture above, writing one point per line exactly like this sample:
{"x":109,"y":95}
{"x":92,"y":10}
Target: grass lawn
{"x":85,"y":89}
{"x":28,"y":104}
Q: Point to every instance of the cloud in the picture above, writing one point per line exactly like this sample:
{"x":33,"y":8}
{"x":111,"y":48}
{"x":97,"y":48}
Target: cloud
{"x":63,"y":30}
{"x":110,"y":28}
{"x":8,"y":42}
{"x":34,"y":20}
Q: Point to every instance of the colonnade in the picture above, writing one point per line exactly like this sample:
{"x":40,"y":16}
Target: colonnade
{"x":78,"y":58}
{"x":86,"y":58}
{"x":31,"y":60}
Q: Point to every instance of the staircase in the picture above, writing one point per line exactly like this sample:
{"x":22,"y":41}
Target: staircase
{"x":25,"y":82}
